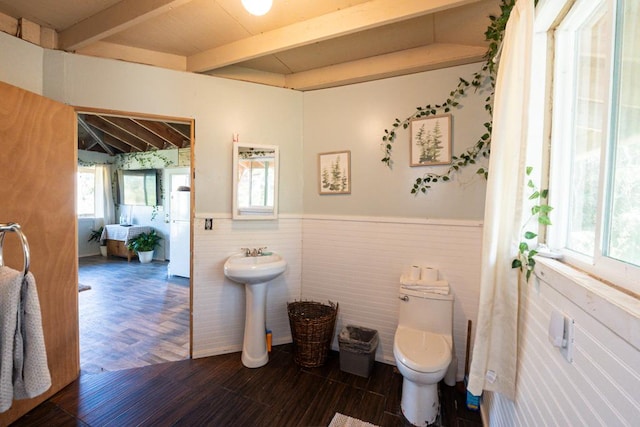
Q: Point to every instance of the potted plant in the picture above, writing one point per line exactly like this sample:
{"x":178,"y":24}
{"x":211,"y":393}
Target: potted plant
{"x":144,"y":244}
{"x":96,"y":236}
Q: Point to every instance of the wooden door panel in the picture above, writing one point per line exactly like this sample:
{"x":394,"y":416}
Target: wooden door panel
{"x":38,"y":160}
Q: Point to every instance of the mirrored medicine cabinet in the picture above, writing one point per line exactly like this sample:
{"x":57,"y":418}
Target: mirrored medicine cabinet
{"x":255,"y":181}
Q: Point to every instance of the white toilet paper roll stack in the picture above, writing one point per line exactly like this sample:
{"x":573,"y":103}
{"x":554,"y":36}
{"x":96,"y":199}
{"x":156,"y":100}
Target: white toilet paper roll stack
{"x":414,"y":272}
{"x":428,"y":274}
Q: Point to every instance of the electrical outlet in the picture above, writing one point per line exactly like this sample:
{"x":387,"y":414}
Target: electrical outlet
{"x":208,"y":224}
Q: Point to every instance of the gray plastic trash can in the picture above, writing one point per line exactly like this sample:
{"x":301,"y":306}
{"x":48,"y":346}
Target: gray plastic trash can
{"x":357,"y":349}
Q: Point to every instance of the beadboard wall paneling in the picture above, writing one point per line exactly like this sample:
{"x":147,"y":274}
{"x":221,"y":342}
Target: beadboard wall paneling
{"x":358,"y":263}
{"x":218,"y":303}
{"x":601,"y":387}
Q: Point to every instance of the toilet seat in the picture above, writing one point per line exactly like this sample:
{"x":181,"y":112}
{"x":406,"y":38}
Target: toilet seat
{"x":421,"y":351}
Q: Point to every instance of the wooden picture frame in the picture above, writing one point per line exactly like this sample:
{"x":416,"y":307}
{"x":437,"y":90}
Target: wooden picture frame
{"x":334,"y":172}
{"x":431,"y":141}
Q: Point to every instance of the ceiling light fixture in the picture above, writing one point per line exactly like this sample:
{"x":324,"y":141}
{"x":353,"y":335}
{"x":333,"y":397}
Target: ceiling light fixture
{"x":257,"y":7}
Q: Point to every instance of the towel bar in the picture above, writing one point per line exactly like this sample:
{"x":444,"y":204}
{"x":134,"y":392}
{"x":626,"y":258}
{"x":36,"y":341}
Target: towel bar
{"x":14,"y":227}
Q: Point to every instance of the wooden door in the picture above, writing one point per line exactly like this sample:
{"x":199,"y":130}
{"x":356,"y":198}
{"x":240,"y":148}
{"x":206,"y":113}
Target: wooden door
{"x":38,"y":159}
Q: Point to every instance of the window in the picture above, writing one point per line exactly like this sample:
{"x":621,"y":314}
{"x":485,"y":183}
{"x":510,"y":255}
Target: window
{"x":595,"y":143}
{"x":86,"y":191}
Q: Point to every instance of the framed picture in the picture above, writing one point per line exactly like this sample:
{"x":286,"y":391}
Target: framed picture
{"x":334,"y":172}
{"x":431,"y":141}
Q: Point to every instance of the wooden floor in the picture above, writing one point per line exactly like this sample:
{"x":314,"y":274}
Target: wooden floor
{"x":219,"y":391}
{"x":133,"y":315}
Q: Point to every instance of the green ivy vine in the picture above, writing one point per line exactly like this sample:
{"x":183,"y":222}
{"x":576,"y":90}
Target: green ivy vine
{"x":525,"y":260}
{"x":482,"y":80}
{"x":143,"y":160}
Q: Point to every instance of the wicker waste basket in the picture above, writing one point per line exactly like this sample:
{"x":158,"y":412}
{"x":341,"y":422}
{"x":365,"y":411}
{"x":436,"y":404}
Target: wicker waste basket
{"x":312,"y":325}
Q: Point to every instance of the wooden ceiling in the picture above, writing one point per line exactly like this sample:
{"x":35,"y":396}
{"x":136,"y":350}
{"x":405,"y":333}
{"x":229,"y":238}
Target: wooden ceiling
{"x":115,"y":135}
{"x":299,"y":44}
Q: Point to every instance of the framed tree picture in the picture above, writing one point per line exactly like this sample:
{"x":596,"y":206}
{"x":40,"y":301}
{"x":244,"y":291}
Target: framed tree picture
{"x":431,"y":141}
{"x":334,"y":172}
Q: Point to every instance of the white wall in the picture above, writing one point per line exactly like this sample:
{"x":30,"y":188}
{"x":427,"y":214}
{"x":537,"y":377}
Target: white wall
{"x":220,"y":108}
{"x":218,"y":302}
{"x":354,"y":118}
{"x":21,"y":63}
{"x":601,"y":387}
{"x":357,"y":262}
{"x":356,"y":246}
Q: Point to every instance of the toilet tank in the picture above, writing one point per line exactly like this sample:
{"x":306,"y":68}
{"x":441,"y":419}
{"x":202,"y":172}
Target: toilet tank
{"x":426,"y":311}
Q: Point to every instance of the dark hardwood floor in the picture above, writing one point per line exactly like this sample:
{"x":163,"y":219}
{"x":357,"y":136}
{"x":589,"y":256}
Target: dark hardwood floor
{"x":135,"y":317}
{"x":219,"y":391}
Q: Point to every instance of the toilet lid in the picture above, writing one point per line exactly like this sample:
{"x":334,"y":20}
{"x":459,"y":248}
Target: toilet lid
{"x":422,"y":351}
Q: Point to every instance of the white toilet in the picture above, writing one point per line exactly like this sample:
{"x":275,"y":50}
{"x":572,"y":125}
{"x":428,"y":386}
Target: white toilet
{"x":422,"y":348}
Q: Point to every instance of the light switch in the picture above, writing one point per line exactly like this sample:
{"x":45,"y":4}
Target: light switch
{"x":561,"y":333}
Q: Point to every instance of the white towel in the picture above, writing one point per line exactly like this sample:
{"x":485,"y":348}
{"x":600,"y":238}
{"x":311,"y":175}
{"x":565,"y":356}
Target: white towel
{"x":24,"y":372}
{"x":440,"y":287}
{"x":404,"y":280}
{"x":441,"y":290}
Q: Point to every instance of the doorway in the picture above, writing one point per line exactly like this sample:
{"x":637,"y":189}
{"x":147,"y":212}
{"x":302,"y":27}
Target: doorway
{"x":133,"y":314}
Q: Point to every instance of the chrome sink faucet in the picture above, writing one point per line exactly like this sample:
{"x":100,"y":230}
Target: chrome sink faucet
{"x":253,"y":252}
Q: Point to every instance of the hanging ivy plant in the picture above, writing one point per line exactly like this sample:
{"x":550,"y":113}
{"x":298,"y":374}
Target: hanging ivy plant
{"x":482,"y":80}
{"x":142,"y":160}
{"x":525,"y":260}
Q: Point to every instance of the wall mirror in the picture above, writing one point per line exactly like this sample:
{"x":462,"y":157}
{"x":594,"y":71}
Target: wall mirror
{"x":255,"y":181}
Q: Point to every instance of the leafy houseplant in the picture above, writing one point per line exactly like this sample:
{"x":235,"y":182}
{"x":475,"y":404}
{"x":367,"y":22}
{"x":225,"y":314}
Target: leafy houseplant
{"x":525,"y":260}
{"x":144,"y":244}
{"x":96,"y":236}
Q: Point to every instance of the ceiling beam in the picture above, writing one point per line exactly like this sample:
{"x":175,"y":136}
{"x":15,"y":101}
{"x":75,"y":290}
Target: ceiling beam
{"x":371,"y":14}
{"x":132,"y":128}
{"x":182,"y":129}
{"x":135,"y":54}
{"x":109,"y":128}
{"x":172,"y":137}
{"x":244,"y":74}
{"x":439,"y":55}
{"x":94,"y":135}
{"x":118,"y":144}
{"x":116,"y":18}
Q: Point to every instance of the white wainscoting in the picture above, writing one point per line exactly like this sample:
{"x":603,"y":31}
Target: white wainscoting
{"x":218,"y":303}
{"x":601,"y":387}
{"x":357,"y":262}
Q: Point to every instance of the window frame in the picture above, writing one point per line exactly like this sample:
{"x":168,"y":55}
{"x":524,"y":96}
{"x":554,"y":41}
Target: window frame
{"x":86,"y":170}
{"x":621,"y":275}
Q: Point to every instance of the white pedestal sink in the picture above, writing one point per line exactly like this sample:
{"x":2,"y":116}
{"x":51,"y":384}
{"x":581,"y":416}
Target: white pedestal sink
{"x":254,"y":272}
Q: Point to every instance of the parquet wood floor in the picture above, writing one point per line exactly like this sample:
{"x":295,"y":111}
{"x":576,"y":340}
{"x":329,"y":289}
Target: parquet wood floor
{"x":133,"y":315}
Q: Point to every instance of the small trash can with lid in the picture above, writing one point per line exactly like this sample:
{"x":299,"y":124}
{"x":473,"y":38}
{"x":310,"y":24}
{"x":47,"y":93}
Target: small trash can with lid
{"x":357,"y":349}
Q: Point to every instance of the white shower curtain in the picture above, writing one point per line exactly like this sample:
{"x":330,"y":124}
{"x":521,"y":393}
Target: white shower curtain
{"x":494,"y":362}
{"x":104,"y":194}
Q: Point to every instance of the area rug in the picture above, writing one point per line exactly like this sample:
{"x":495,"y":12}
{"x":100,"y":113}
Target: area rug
{"x":82,"y":287}
{"x":340,"y":420}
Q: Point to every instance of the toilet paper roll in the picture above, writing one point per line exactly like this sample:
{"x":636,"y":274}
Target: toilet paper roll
{"x":429,"y":274}
{"x":414,"y":272}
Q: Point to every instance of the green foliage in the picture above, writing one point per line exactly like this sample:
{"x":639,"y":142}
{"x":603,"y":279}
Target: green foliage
{"x":144,"y":242}
{"x":142,"y":160}
{"x":482,"y":80}
{"x":525,"y":260}
{"x":95,"y":235}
